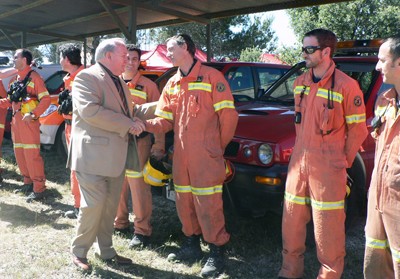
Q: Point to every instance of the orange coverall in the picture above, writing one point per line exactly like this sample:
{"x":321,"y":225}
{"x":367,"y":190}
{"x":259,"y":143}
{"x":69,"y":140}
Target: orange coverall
{"x":143,"y":90}
{"x":327,"y":141}
{"x":200,"y":109}
{"x":382,"y":249}
{"x":68,"y":81}
{"x":3,"y":114}
{"x":26,"y":136}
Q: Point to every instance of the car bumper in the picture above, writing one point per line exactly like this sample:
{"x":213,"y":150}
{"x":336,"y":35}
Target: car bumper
{"x":258,"y":189}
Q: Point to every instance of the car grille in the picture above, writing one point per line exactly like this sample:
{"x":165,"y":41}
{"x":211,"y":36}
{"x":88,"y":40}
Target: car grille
{"x":232,"y":149}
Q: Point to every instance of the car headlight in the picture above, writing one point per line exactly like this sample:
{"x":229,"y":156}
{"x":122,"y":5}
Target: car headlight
{"x":52,"y":108}
{"x":265,"y":153}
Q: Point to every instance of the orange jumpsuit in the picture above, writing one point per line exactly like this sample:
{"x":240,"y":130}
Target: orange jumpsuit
{"x":327,"y":140}
{"x":3,"y":114}
{"x":143,"y":90}
{"x":68,"y":80}
{"x":199,"y":108}
{"x":26,"y":136}
{"x":382,"y":249}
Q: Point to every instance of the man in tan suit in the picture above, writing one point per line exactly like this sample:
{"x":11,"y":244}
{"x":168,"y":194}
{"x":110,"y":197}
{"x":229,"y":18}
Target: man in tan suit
{"x":101,"y":126}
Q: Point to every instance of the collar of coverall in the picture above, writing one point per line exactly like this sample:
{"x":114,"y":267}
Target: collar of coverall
{"x":308,"y":80}
{"x":22,"y":74}
{"x":190,"y":70}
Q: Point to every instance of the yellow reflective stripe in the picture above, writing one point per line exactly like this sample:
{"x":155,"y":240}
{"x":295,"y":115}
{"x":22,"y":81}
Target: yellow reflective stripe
{"x":320,"y":205}
{"x":199,"y":191}
{"x":199,"y":86}
{"x":133,"y":174}
{"x":26,"y":146}
{"x":376,"y":243}
{"x":182,"y":189}
{"x":1,"y":126}
{"x":42,"y":94}
{"x":395,"y":255}
{"x":174,"y":89}
{"x":296,"y":199}
{"x":31,"y":84}
{"x":138,"y":93}
{"x":298,"y":89}
{"x":335,"y":96}
{"x":355,"y":118}
{"x":379,"y":110}
{"x":164,"y":114}
{"x":224,"y":104}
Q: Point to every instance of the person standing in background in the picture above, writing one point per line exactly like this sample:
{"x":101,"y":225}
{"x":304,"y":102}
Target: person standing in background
{"x":142,"y":90}
{"x":70,"y":61}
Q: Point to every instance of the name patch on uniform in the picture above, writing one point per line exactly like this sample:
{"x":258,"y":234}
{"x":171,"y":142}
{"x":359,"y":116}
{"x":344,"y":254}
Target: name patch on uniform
{"x":220,"y":87}
{"x":357,"y":101}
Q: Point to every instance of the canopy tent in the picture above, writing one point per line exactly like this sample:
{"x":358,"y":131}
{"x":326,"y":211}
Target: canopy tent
{"x":156,"y":59}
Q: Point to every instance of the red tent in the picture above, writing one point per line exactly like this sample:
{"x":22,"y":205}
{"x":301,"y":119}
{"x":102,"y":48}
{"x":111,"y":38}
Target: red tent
{"x":156,"y":59}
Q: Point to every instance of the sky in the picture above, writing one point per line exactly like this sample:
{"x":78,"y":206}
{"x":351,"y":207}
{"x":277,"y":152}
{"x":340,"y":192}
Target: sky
{"x":281,"y":26}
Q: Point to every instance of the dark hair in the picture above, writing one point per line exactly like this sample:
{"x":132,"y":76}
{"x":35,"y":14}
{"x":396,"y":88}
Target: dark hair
{"x":72,"y":52}
{"x":394,"y":46}
{"x":26,"y":53}
{"x":325,"y":38}
{"x":131,"y":47}
{"x":185,"y":39}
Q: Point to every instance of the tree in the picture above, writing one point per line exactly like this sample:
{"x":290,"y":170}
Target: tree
{"x":251,"y":54}
{"x":361,"y":19}
{"x":229,"y":36}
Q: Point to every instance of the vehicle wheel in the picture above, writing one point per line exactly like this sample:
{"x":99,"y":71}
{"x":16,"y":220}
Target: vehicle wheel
{"x":60,"y":143}
{"x":356,"y":201}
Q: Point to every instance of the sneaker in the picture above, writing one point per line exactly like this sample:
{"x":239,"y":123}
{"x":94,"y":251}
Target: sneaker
{"x":189,"y":251}
{"x":215,"y":263}
{"x":139,"y":241}
{"x":72,"y":214}
{"x":25,"y":189}
{"x":35,"y":196}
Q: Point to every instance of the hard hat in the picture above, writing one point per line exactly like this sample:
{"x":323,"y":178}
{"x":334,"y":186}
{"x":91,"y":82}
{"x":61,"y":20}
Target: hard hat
{"x":28,"y":105}
{"x":156,"y":172}
{"x":229,"y":171}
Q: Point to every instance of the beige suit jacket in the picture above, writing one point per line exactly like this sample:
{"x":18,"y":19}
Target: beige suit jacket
{"x":99,"y":136}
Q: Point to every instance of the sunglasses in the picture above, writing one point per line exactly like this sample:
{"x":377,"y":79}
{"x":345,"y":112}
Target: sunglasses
{"x":310,"y":49}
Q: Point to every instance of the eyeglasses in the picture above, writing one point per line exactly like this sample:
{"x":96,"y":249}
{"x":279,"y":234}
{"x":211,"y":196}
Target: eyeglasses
{"x":310,"y":49}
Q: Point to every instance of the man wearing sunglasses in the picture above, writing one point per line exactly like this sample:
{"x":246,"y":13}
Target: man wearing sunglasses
{"x":330,"y":127}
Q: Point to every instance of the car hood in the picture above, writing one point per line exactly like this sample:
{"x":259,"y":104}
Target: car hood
{"x":265,"y":123}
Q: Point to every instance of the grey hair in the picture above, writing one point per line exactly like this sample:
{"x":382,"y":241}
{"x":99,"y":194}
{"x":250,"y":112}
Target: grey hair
{"x":107,"y":45}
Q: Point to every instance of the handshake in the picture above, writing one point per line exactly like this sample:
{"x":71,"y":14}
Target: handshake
{"x":138,"y":127}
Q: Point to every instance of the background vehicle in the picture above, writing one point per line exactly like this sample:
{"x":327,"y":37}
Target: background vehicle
{"x":265,"y":136}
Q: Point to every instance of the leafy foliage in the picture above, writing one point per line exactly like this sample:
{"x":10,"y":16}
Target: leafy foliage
{"x":229,"y":35}
{"x":250,"y":54}
{"x":360,"y":19}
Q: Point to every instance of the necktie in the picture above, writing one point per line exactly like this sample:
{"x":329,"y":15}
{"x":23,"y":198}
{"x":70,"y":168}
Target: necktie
{"x":121,"y":94}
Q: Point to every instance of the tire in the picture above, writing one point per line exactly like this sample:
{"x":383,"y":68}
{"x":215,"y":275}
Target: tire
{"x":356,"y":201}
{"x":60,"y":143}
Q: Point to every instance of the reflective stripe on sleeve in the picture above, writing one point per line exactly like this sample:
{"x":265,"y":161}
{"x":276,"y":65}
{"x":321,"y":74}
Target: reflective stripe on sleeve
{"x":42,"y":94}
{"x":355,"y":118}
{"x":223,"y":105}
{"x":164,"y":114}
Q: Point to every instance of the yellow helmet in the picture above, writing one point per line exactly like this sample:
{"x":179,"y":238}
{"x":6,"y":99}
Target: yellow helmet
{"x":156,"y":172}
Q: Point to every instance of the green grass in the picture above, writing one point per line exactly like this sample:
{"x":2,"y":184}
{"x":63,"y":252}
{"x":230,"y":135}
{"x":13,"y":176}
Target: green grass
{"x":35,"y":237}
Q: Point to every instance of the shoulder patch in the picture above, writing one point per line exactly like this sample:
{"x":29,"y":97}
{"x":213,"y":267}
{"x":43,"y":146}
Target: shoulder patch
{"x":220,"y":87}
{"x":357,"y":101}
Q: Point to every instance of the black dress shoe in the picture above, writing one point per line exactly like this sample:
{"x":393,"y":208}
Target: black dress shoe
{"x":82,"y":264}
{"x":72,"y":214}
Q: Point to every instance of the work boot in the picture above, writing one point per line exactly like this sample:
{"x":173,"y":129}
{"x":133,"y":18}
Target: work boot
{"x":35,"y":196}
{"x":190,"y":250}
{"x":215,"y":263}
{"x":72,"y":214}
{"x":25,"y":189}
{"x":139,"y":241}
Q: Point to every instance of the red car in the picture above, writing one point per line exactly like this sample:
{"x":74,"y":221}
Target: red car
{"x":265,"y":136}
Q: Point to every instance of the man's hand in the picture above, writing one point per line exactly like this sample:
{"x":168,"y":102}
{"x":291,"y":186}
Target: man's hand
{"x":138,"y":127}
{"x":28,"y":117}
